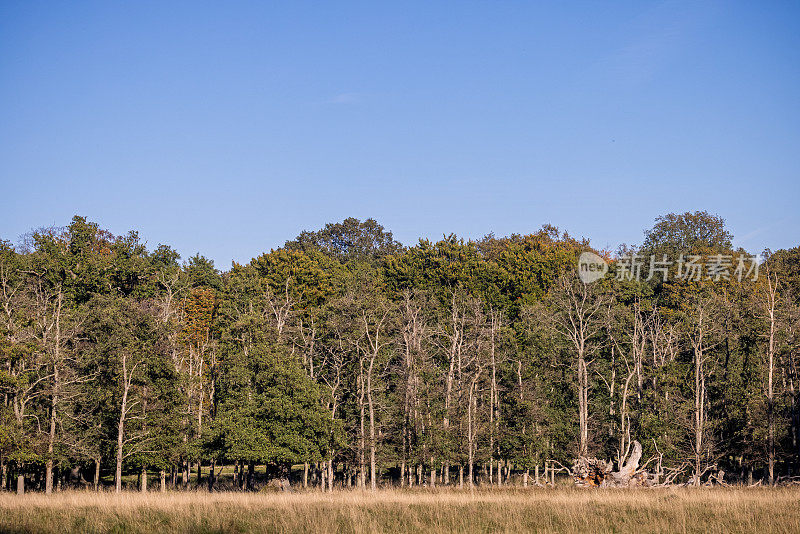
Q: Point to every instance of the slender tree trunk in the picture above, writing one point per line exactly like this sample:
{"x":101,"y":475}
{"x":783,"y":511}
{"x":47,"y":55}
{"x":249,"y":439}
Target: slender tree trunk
{"x":121,"y":435}
{"x":251,"y":473}
{"x":770,"y":394}
{"x":162,"y":475}
{"x":48,"y":476}
{"x":795,"y":431}
{"x":96,"y":481}
{"x":372,"y":465}
{"x":143,"y":480}
{"x":48,"y":480}
{"x":494,"y":422}
{"x":362,"y":432}
{"x":499,"y":473}
{"x":583,"y":405}
{"x":699,"y":413}
{"x":185,"y":474}
{"x":471,"y":401}
{"x":212,"y":476}
{"x":127,"y":377}
{"x":118,"y":471}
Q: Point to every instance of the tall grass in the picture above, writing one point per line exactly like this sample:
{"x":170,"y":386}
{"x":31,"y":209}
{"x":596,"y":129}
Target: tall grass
{"x":544,"y":510}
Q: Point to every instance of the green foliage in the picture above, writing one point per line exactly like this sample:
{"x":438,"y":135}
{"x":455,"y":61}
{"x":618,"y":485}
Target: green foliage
{"x":348,"y":240}
{"x":271,"y":412}
{"x":343,"y":343}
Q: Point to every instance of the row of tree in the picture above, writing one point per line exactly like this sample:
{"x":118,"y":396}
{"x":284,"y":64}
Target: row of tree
{"x":360,"y":362}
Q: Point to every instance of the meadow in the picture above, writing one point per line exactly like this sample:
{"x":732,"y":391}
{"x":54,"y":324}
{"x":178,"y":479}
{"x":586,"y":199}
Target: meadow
{"x":507,"y":510}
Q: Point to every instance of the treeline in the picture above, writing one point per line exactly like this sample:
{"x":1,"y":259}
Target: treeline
{"x":345,"y":359}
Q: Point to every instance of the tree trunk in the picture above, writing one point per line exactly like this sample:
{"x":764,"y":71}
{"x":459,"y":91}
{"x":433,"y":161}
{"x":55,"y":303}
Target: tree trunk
{"x":48,"y":479}
{"x":127,"y":378}
{"x":770,"y":395}
{"x":699,"y":413}
{"x":362,"y":432}
{"x":627,"y":471}
{"x":163,"y":479}
{"x":494,"y":416}
{"x":20,"y":483}
{"x":48,"y":476}
{"x":143,"y":480}
{"x":470,"y":436}
{"x":120,"y":438}
{"x":251,"y":470}
{"x":185,"y":474}
{"x":211,"y":476}
{"x":96,"y":481}
{"x":583,"y":405}
{"x":372,"y":466}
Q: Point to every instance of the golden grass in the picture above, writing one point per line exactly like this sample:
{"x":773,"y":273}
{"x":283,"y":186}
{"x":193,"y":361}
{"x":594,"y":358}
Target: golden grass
{"x":510,"y":510}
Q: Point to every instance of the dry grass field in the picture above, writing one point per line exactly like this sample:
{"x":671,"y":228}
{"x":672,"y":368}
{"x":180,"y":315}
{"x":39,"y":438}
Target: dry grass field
{"x":534,"y":510}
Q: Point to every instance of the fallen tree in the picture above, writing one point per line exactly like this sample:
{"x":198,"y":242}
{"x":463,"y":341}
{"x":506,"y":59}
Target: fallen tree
{"x":594,"y":472}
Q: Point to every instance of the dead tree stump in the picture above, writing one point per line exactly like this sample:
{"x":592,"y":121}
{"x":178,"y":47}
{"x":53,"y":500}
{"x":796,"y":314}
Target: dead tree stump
{"x":593,"y":472}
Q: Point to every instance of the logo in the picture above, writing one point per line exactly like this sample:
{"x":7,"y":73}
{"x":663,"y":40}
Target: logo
{"x":591,"y":267}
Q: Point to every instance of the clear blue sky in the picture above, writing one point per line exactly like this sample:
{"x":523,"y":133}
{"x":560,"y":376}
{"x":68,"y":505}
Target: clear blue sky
{"x":227,"y":127}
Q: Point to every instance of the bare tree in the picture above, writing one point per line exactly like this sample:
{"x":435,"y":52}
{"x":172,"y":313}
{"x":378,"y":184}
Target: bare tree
{"x":628,"y":334}
{"x":414,"y":332}
{"x":576,"y":312}
{"x":370,"y":347}
{"x":770,"y":307}
{"x":702,"y":332}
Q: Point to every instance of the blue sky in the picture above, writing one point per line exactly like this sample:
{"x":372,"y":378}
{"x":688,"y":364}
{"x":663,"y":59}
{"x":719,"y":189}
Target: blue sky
{"x":227,"y":127}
